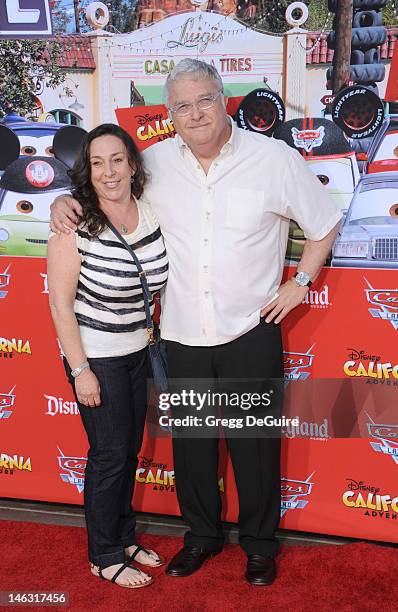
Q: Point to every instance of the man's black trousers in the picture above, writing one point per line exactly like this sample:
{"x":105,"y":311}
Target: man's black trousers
{"x":256,"y":460}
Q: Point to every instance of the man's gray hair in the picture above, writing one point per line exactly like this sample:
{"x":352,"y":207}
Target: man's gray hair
{"x":196,"y":69}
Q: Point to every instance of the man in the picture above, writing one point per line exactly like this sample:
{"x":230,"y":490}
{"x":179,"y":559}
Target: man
{"x":224,"y":197}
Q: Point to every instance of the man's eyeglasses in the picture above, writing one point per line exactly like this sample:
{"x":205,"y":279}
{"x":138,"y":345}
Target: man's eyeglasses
{"x":182,"y":110}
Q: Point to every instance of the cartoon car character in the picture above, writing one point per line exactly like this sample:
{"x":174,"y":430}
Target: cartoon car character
{"x":330,"y":157}
{"x":383,"y":152}
{"x":369,"y":235}
{"x":35,"y":170}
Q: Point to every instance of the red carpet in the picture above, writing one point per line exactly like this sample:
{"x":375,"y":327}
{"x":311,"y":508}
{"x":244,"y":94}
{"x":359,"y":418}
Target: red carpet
{"x":354,"y":577}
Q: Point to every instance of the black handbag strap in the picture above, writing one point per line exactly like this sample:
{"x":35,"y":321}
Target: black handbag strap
{"x":144,"y":283}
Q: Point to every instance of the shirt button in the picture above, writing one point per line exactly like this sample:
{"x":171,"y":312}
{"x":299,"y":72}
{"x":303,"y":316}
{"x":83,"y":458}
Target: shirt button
{"x":206,"y":268}
{"x":207,"y":293}
{"x":208,"y":213}
{"x":206,"y":241}
{"x":209,"y":189}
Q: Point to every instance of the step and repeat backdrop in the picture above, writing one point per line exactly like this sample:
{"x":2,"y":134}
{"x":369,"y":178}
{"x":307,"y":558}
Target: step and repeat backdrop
{"x":340,"y":464}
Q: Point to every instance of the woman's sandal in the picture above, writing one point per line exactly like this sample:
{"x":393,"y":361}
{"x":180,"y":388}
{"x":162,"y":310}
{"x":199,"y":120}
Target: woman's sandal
{"x":156,"y":562}
{"x":96,"y":571}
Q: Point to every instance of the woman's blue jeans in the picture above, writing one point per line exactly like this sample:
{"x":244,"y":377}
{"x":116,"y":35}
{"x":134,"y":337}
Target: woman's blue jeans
{"x":114,"y":430}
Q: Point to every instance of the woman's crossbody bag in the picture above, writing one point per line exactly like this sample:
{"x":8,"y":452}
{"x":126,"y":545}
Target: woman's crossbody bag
{"x":156,"y":346}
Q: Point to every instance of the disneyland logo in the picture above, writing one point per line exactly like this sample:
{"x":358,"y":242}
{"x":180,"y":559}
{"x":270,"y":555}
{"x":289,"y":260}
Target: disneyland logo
{"x":386,"y":302}
{"x":200,"y":39}
{"x":57,"y":405}
{"x":317,"y":299}
{"x":294,"y":493}
{"x":307,"y":429}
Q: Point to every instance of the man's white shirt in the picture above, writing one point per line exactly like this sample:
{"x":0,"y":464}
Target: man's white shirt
{"x":226,"y":232}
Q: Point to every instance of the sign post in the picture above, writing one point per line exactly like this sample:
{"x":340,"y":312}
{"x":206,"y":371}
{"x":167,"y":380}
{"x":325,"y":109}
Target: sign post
{"x":33,"y":20}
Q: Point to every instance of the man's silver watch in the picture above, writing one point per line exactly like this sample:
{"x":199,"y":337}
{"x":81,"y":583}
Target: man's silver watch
{"x":77,"y":371}
{"x":303,"y":279}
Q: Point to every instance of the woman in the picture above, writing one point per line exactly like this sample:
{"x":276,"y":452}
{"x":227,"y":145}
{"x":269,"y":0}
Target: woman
{"x":97,"y":306}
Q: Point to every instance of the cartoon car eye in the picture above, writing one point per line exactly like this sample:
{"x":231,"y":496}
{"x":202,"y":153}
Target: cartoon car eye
{"x":323,"y":178}
{"x":394,"y":210}
{"x":388,"y":148}
{"x":28,"y":150}
{"x":49,"y":151}
{"x":24,"y":206}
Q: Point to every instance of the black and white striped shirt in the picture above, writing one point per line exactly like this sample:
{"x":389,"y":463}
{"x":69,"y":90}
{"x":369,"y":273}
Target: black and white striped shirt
{"x":109,"y":303}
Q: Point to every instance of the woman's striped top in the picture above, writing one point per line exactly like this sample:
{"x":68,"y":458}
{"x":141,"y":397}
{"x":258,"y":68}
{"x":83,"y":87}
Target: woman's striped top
{"x":109,"y":303}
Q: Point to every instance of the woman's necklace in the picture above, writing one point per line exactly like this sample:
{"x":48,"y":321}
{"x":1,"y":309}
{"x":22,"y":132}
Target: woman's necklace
{"x":124,"y":228}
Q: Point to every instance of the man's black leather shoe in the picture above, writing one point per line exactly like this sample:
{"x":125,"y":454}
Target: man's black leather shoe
{"x":260,"y":570}
{"x":188,"y":560}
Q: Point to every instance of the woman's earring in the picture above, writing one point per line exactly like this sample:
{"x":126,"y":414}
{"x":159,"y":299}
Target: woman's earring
{"x":132,"y":179}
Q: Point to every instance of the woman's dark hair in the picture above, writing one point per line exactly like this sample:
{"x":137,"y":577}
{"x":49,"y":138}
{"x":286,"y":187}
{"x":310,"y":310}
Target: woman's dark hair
{"x":80,"y":175}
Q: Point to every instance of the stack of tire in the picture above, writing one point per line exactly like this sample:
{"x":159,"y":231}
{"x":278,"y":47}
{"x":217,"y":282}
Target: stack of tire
{"x":368,"y":33}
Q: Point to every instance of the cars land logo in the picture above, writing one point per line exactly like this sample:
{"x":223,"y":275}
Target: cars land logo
{"x":308,"y":139}
{"x":293,"y":491}
{"x":151,"y":473}
{"x":317,"y":299}
{"x":387,"y":439}
{"x":369,"y":498}
{"x":296,"y":365}
{"x":9,"y":347}
{"x":57,"y":405}
{"x":7,"y":401}
{"x":9,"y":463}
{"x":73,"y":470}
{"x":369,"y":366}
{"x":4,"y":282}
{"x":386,"y":301}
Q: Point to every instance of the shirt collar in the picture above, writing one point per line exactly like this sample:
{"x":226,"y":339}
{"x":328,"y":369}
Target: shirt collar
{"x":228,"y":148}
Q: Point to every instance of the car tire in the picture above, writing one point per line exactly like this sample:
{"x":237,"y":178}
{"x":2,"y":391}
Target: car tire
{"x":359,"y":4}
{"x":358,"y":111}
{"x":367,"y":19}
{"x":372,"y":56}
{"x":358,"y":57}
{"x":368,"y":73}
{"x":365,"y":38}
{"x":261,"y":111}
{"x":362,"y":73}
{"x":362,"y":38}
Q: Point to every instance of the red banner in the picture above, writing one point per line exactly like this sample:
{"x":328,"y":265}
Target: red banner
{"x":340,"y":362}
